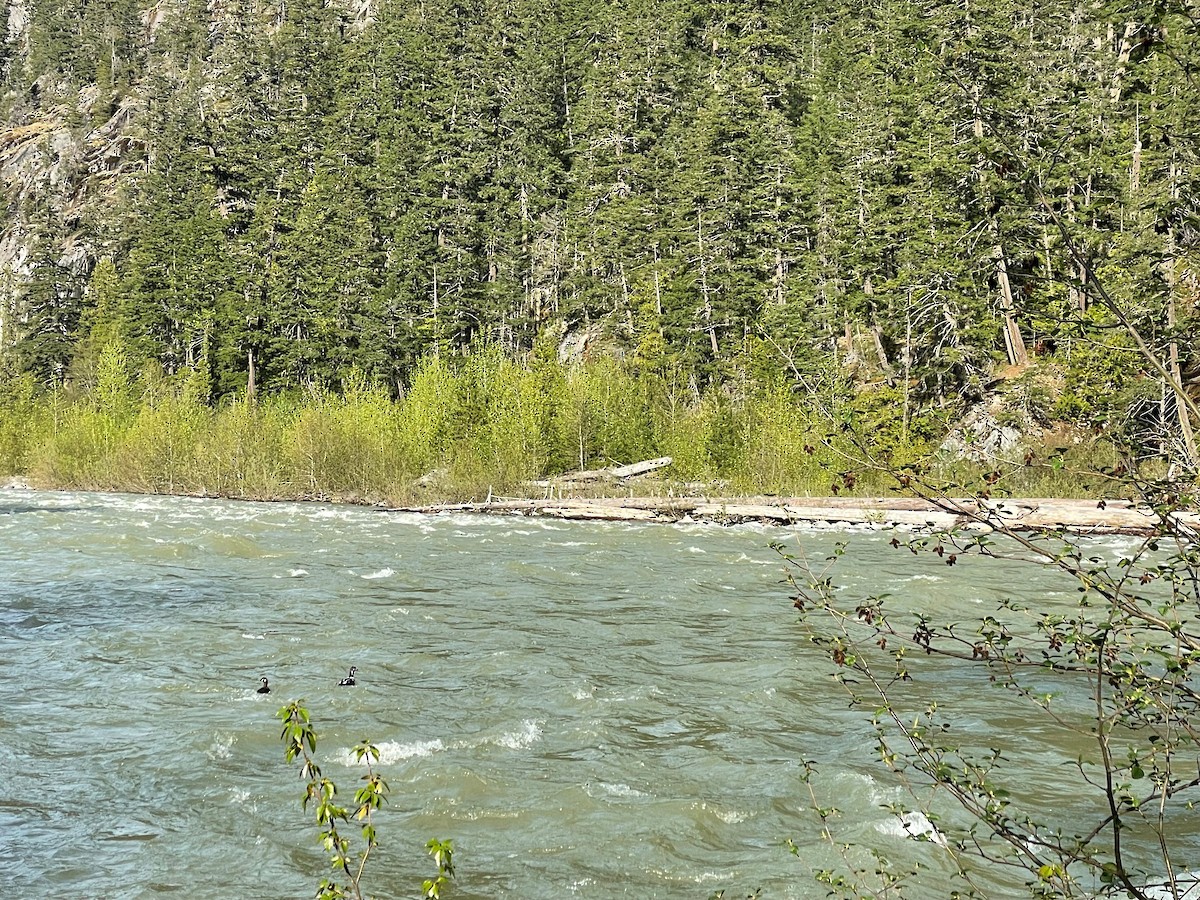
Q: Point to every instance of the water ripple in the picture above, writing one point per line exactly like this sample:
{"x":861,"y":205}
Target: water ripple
{"x":578,"y":705}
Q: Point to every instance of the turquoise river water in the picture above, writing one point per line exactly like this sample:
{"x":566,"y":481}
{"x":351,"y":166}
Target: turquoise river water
{"x":589,"y":710}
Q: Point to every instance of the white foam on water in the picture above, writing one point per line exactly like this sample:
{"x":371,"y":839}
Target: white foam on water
{"x":528,"y":734}
{"x":297,"y":573}
{"x":254,"y":637}
{"x":222,"y":746}
{"x":696,"y":550}
{"x":728,"y":816}
{"x":915,"y":825}
{"x":405,"y":518}
{"x":619,"y":790}
{"x":326,"y":514}
{"x":391,"y":752}
{"x":878,"y":796}
{"x":583,"y":694}
{"x":641,"y":694}
{"x":386,"y":572}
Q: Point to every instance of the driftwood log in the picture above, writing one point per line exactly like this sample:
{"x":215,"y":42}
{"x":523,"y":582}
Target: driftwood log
{"x":1081,"y":516}
{"x":630,"y":471}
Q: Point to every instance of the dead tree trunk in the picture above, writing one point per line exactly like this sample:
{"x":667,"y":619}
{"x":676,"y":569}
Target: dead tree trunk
{"x":1014,"y":344}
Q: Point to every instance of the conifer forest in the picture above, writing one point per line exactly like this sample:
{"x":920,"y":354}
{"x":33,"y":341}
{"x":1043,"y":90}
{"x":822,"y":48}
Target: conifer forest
{"x":895,"y":216}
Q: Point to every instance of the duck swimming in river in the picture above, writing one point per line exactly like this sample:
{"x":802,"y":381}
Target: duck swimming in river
{"x":265,"y":689}
{"x":349,"y":681}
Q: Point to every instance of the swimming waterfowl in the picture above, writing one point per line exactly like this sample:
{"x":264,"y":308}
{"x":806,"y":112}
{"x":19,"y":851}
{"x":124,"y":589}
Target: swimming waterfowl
{"x":349,"y":681}
{"x":265,"y":689}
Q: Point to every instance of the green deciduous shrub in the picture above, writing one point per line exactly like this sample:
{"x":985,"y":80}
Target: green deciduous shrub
{"x":337,"y":823}
{"x":24,"y":422}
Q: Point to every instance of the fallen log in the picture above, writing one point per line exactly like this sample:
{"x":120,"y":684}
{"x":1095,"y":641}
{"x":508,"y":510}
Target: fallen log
{"x":630,"y":471}
{"x":600,"y":513}
{"x":1113,"y":517}
{"x":641,"y":468}
{"x":583,"y":475}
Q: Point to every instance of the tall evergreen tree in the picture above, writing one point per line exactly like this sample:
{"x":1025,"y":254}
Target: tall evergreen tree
{"x":51,"y":304}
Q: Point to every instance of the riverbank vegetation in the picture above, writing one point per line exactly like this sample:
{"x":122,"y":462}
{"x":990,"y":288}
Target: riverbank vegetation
{"x":481,"y":425}
{"x":713,"y":231}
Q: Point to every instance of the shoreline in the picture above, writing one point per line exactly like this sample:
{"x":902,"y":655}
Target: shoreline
{"x":1076,"y":516}
{"x":1019,"y":514}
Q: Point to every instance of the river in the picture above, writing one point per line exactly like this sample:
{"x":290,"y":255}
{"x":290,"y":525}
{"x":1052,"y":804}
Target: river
{"x":587,"y":710}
